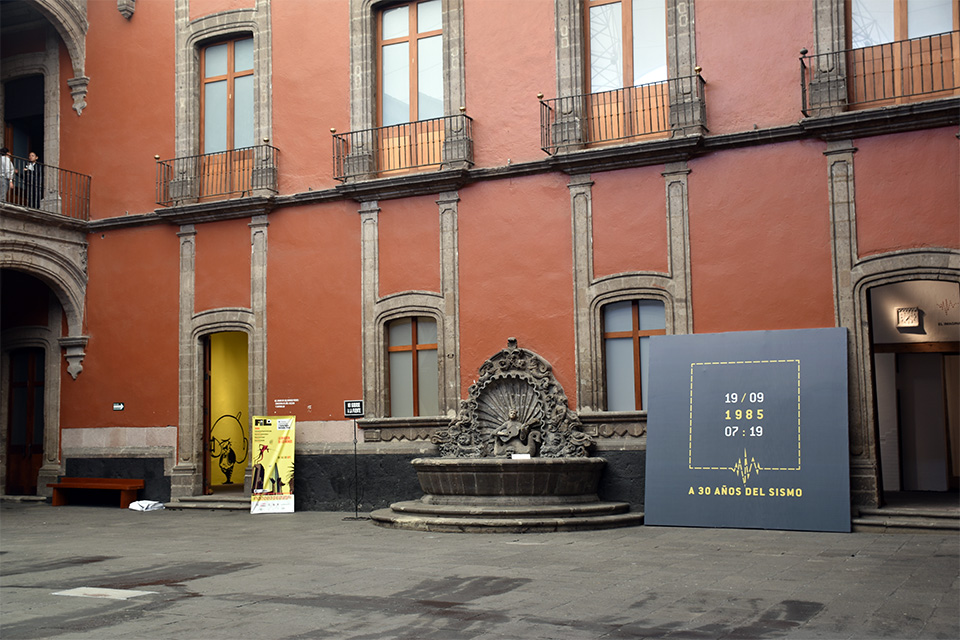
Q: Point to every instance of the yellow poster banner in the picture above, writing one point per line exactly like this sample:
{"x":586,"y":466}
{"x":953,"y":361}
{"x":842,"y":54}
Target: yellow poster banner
{"x":273,"y":444}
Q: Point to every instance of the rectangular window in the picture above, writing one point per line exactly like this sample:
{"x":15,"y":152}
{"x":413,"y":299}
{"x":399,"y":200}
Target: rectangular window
{"x":410,"y":44}
{"x":227,"y":96}
{"x":227,"y":104}
{"x":413,"y":367}
{"x":627,"y":62}
{"x":902,"y":48}
{"x":627,"y":327}
{"x":411,"y":63}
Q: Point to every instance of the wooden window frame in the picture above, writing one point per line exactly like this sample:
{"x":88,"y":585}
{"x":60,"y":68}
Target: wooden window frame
{"x":626,"y":34}
{"x":901,"y":28}
{"x":634,"y":334}
{"x":230,"y":77}
{"x":633,"y":113}
{"x":412,"y":39}
{"x":415,"y":347}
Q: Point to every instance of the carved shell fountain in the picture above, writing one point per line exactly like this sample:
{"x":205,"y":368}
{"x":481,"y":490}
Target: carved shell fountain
{"x":515,"y":459}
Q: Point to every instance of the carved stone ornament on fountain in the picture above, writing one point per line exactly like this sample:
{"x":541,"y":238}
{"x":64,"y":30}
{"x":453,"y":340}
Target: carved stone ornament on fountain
{"x":515,"y":459}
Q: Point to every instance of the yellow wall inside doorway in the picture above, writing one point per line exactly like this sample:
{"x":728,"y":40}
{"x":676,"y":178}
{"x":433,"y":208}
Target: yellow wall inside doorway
{"x":229,"y":443}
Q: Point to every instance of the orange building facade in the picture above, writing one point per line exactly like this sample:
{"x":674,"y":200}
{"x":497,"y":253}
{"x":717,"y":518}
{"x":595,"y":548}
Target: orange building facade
{"x":254,"y":207}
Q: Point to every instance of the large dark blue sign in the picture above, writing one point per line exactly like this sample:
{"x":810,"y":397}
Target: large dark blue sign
{"x":749,"y":430}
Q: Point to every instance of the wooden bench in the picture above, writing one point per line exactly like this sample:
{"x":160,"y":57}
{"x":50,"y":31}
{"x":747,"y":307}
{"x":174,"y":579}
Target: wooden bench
{"x":127,"y":487}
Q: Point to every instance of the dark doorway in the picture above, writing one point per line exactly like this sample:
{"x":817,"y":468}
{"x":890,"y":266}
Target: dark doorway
{"x":25,"y":424}
{"x":23,"y":114}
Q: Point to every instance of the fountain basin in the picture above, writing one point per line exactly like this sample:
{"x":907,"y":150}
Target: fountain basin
{"x":506,"y":481}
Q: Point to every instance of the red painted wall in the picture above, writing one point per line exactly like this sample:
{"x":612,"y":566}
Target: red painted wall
{"x":130,"y":109}
{"x":629,"y":221}
{"x":749,"y":51}
{"x":222,"y":264}
{"x":504,"y":74}
{"x":515,"y":265}
{"x":760,"y":239}
{"x":313,"y":309}
{"x":311,"y":89}
{"x":927,"y":214}
{"x":132,"y":320}
{"x":409,"y":231}
{"x":200,"y":8}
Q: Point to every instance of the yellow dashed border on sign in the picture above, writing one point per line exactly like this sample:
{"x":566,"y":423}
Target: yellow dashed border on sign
{"x":741,"y":465}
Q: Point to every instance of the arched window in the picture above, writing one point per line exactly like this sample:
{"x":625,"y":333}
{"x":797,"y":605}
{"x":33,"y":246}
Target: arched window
{"x":627,"y":327}
{"x":413,"y":368}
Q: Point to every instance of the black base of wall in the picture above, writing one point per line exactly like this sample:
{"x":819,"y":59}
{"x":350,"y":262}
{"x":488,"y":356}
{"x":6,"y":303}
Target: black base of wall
{"x":156,"y":485}
{"x":326,"y":482}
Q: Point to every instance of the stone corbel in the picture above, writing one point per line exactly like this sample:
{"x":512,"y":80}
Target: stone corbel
{"x":73,"y":347}
{"x":78,"y":89}
{"x":126,"y":8}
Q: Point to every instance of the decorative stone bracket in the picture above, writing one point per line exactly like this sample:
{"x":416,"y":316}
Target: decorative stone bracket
{"x":74,"y":353}
{"x":78,"y":89}
{"x":126,"y":8}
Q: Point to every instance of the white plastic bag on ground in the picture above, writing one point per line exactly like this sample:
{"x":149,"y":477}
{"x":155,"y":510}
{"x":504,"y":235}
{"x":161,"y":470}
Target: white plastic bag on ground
{"x":146,"y":505}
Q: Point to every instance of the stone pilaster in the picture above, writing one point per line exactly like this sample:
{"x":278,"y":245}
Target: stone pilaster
{"x":373,"y":394}
{"x":185,"y":478}
{"x":678,"y":230}
{"x":450,"y":290}
{"x":588,"y":371}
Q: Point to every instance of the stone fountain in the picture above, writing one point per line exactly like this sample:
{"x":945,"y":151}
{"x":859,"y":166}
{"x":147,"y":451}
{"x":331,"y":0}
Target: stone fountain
{"x":515,"y":459}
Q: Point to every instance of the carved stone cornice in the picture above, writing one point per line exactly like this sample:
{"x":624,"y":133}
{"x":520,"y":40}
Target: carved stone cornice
{"x":216,"y":211}
{"x":899,"y":118}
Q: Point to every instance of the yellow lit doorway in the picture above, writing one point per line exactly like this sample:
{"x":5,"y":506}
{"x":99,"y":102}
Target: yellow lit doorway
{"x":225,"y":411}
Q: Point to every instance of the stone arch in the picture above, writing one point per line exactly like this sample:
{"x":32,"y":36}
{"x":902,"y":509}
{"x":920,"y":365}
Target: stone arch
{"x":190,"y":430}
{"x":47,"y":64}
{"x":70,"y":21}
{"x":870,"y":272}
{"x":617,"y":289}
{"x":66,"y":278}
{"x":420,"y":303}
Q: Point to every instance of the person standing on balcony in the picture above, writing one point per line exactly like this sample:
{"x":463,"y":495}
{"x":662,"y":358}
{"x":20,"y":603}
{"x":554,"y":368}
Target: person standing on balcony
{"x":6,"y":173}
{"x":33,"y":180}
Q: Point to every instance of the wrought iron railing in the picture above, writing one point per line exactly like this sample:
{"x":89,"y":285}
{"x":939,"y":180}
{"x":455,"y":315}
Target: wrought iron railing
{"x":880,"y":75}
{"x":413,"y":145}
{"x":647,"y":110}
{"x":212,"y":176}
{"x":48,"y":188}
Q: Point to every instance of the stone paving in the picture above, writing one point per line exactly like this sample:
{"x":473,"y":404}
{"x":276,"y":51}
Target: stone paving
{"x":222,"y":575}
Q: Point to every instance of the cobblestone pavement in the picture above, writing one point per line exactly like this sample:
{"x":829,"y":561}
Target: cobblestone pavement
{"x":222,"y":575}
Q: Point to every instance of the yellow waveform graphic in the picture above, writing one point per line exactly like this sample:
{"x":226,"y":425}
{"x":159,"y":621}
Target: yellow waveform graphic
{"x":745,"y":468}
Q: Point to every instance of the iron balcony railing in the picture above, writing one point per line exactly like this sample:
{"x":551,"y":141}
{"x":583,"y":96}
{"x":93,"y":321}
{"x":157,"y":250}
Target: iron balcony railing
{"x":438,"y":142}
{"x":212,"y":176}
{"x":48,"y":188}
{"x":656,"y":109}
{"x":879,"y":75}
